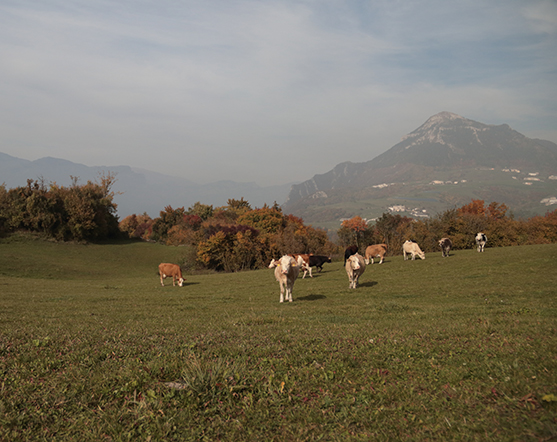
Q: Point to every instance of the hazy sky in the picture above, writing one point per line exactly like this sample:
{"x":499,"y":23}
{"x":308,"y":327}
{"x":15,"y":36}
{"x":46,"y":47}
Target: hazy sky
{"x":268,"y":91}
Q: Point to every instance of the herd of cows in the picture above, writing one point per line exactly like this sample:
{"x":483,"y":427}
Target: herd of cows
{"x":288,"y":267}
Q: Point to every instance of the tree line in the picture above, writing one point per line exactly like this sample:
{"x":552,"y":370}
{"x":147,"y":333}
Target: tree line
{"x":459,"y":224}
{"x":238,"y":237}
{"x":233,"y":237}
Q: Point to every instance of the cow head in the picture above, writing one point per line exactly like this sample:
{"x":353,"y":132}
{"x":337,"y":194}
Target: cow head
{"x":355,"y":262}
{"x":181,"y":282}
{"x":286,"y":262}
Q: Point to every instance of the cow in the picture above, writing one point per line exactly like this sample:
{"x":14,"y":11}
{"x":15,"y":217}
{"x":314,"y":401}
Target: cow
{"x":316,"y":261}
{"x":351,"y":250}
{"x":481,"y":239}
{"x":305,"y":261}
{"x":355,"y":266}
{"x":378,"y":250}
{"x":446,"y":245}
{"x":412,"y":248}
{"x":167,"y":270}
{"x":286,"y":272}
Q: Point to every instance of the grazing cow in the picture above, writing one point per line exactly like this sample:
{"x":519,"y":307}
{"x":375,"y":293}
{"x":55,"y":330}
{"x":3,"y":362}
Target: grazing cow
{"x":355,"y":266}
{"x":412,"y":248}
{"x":171,"y":270}
{"x":446,"y":245}
{"x":378,"y":250}
{"x":286,"y":272}
{"x":350,"y":250}
{"x":481,"y":239}
{"x":316,"y":261}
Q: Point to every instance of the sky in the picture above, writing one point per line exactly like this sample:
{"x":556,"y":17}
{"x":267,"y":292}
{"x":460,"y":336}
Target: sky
{"x":272,"y":91}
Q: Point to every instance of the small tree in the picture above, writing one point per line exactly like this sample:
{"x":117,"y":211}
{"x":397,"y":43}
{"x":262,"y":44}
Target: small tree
{"x":355,"y":231}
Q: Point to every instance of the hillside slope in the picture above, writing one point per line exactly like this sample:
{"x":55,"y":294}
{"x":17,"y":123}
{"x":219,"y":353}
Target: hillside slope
{"x":486,"y":161}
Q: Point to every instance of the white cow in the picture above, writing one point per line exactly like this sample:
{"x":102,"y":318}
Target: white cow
{"x":355,"y":266}
{"x":286,"y":273}
{"x":412,"y":248}
{"x":481,"y":239}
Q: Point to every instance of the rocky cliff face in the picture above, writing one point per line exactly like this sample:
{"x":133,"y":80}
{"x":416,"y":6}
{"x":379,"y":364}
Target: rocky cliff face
{"x":444,"y":141}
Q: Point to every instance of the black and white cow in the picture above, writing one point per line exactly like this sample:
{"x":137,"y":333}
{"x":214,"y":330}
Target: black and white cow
{"x":446,"y":245}
{"x":316,"y":261}
{"x":481,"y":239}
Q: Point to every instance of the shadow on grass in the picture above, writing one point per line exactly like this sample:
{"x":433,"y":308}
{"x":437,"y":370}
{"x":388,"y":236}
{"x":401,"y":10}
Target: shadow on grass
{"x":184,"y":284}
{"x":312,"y":297}
{"x":368,"y":284}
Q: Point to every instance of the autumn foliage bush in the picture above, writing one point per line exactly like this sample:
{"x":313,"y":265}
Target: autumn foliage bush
{"x":459,"y":224}
{"x":234,"y":237}
{"x":77,"y":212}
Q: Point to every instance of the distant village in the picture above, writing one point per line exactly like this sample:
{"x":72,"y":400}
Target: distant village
{"x":420,"y":213}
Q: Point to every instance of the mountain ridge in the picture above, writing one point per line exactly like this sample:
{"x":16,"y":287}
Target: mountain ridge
{"x":446,"y":144}
{"x":138,"y":190}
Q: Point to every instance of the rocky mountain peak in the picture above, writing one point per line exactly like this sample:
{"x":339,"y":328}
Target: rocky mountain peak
{"x":441,"y":129}
{"x":446,"y":141}
{"x":433,"y":128}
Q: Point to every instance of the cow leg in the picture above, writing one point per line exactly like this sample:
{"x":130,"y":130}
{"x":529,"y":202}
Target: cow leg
{"x":162,"y":277}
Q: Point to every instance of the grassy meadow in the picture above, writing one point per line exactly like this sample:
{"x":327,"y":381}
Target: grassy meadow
{"x":92,"y":348}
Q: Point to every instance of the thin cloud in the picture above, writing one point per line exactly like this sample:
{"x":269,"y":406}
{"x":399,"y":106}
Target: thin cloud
{"x":271,"y":91}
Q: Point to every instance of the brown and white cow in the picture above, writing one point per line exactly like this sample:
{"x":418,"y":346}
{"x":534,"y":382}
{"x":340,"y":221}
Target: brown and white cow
{"x":305,"y":261}
{"x":355,"y":266}
{"x":173,"y":271}
{"x":286,"y":273}
{"x":412,"y":248}
{"x":378,"y":250}
{"x":446,"y":245}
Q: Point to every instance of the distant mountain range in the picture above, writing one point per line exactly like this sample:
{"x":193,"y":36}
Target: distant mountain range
{"x":138,"y":190}
{"x":445,"y":162}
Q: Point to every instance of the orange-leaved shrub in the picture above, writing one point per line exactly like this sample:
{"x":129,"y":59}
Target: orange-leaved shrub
{"x":459,"y":224}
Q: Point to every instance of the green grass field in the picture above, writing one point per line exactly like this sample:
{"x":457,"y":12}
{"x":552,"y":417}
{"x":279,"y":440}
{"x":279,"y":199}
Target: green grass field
{"x":92,"y":348}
